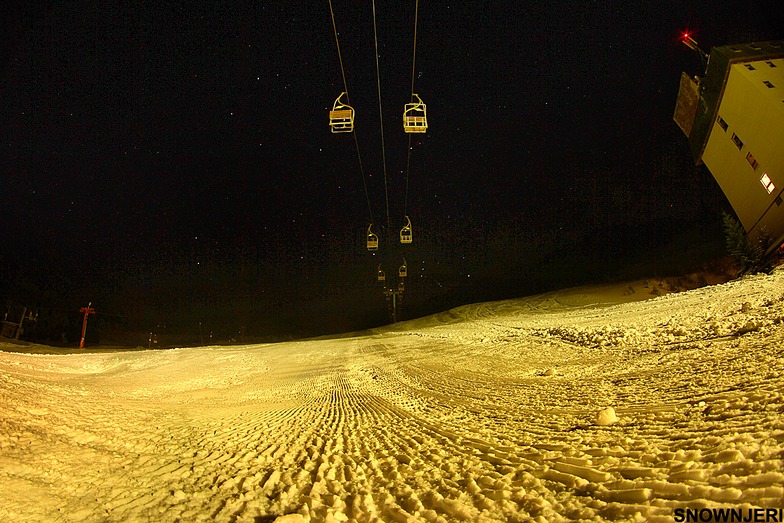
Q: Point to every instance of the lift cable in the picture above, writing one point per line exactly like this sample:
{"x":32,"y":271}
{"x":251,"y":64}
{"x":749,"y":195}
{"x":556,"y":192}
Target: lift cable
{"x":413,"y":59}
{"x":413,"y":76}
{"x":364,"y":180}
{"x":408,"y":168}
{"x":381,"y":120}
{"x":348,"y":100}
{"x":340,"y":57}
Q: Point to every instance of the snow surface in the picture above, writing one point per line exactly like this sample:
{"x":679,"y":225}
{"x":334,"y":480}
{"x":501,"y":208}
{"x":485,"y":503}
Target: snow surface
{"x":488,"y":412}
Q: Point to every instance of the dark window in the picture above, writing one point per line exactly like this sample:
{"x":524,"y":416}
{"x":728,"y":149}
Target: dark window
{"x":752,"y":161}
{"x":750,"y":67}
{"x":771,"y":64}
{"x":722,"y":123}
{"x":770,"y":85}
{"x":737,"y":141}
{"x":778,"y":200}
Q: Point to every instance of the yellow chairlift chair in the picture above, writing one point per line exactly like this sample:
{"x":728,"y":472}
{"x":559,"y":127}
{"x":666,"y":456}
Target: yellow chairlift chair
{"x":405,"y":232}
{"x":381,"y":275}
{"x":341,"y":117}
{"x":403,"y":271}
{"x":415,"y":116}
{"x":372,"y":239}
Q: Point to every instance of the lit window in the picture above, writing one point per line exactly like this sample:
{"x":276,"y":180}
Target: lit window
{"x":750,"y":67}
{"x":722,"y":123}
{"x":752,"y":161}
{"x":737,"y":141}
{"x":770,"y":85}
{"x":767,"y":183}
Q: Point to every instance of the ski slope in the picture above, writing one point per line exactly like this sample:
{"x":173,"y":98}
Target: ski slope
{"x":488,"y":412}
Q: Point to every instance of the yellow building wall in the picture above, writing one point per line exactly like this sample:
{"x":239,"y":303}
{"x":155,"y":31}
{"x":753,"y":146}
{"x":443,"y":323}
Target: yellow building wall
{"x":753,"y":112}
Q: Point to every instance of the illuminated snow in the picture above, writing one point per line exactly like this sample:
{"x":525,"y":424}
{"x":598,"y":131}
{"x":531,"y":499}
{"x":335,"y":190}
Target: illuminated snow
{"x":483,"y":413}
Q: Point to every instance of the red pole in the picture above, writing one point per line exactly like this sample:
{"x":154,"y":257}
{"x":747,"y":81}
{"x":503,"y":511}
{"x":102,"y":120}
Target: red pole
{"x":87,"y":311}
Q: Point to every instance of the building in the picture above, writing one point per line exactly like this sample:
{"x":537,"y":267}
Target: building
{"x":734,"y":119}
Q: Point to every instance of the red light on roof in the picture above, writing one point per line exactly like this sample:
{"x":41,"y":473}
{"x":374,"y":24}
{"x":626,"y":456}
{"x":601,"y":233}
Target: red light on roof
{"x":688,"y":41}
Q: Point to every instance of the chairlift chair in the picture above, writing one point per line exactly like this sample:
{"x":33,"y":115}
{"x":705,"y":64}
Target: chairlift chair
{"x":372,"y":239}
{"x":341,"y":117}
{"x":415,"y":116}
{"x":401,"y":287}
{"x":403,"y":271}
{"x":405,"y":232}
{"x":381,"y":275}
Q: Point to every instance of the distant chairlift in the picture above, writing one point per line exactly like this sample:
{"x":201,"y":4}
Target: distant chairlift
{"x":415,"y":116}
{"x":403,"y":271}
{"x":381,"y":275}
{"x":405,"y":232}
{"x":372,"y":239}
{"x":341,"y":117}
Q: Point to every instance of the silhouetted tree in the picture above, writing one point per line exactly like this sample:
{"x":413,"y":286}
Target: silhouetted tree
{"x":749,"y":256}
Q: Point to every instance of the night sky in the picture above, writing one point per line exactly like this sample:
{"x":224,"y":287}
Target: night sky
{"x":173,"y":162}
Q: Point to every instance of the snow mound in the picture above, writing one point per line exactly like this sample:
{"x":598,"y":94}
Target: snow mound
{"x":606,"y":417}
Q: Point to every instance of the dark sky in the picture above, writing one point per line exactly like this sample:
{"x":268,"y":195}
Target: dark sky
{"x":172,"y":162}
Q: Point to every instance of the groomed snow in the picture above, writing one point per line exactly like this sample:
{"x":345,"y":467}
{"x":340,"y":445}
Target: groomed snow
{"x":489,"y":412}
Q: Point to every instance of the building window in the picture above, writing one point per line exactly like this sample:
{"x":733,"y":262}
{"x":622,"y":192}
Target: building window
{"x":750,"y":67}
{"x":752,"y":161}
{"x":737,"y":141}
{"x":778,"y":200}
{"x":771,"y":64}
{"x":770,"y":85}
{"x":722,"y":123}
{"x":767,"y":183}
